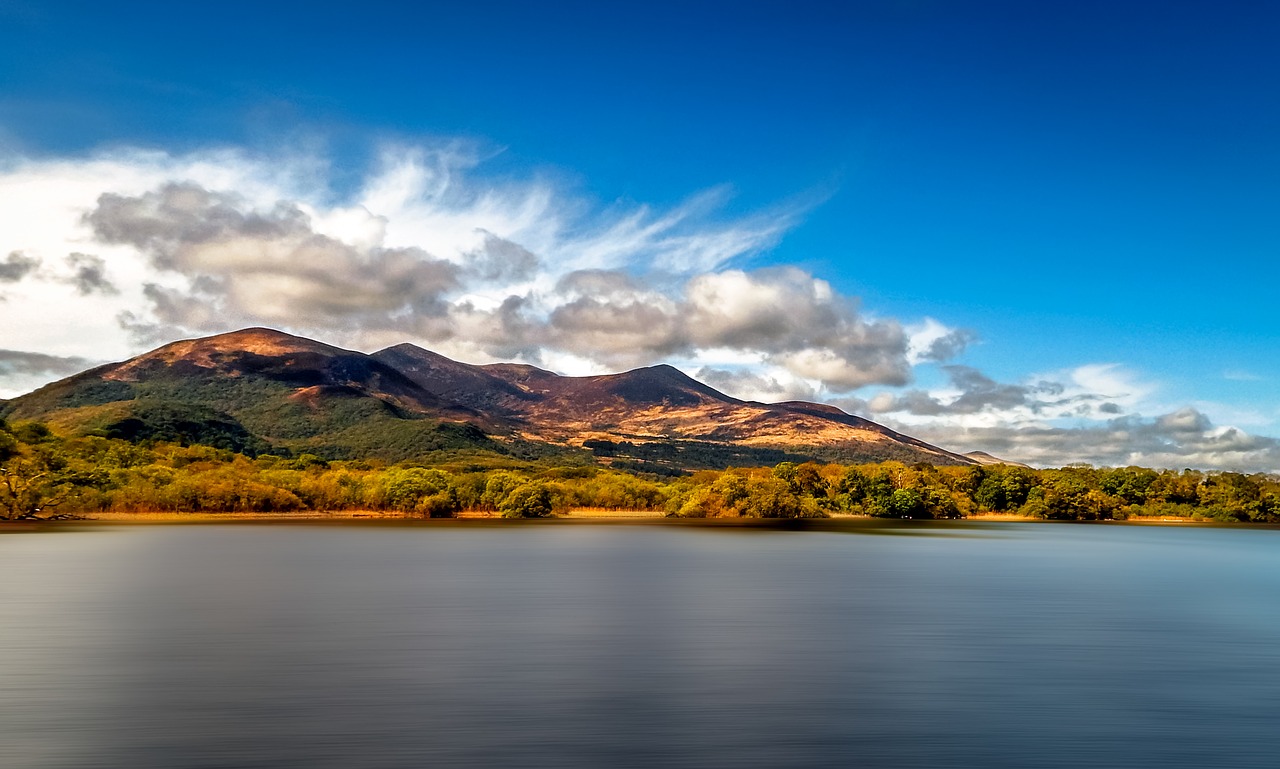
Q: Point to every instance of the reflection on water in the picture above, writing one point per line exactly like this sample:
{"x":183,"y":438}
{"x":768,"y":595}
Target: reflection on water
{"x":588,"y":646}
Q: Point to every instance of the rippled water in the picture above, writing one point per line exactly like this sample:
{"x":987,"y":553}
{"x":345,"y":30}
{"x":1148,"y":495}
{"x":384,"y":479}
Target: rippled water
{"x":594,"y":646}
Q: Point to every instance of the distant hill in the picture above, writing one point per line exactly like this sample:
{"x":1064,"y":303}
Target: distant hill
{"x":262,"y":390}
{"x":983,"y":458}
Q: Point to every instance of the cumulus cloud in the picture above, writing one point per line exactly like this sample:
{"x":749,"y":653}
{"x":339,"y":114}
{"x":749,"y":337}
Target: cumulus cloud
{"x":784,"y":316}
{"x":17,"y":266}
{"x":499,"y":259}
{"x":89,"y":274}
{"x":501,"y":272}
{"x":264,"y":266}
{"x":800,"y":323}
{"x":1183,"y":438}
{"x":1239,"y":375}
{"x":972,"y":392}
{"x":1087,"y":392}
{"x":608,"y":315}
{"x":1093,"y":413}
{"x":751,"y":384}
{"x":933,"y":341}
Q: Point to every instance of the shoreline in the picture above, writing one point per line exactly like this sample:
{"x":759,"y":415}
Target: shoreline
{"x":580,"y":516}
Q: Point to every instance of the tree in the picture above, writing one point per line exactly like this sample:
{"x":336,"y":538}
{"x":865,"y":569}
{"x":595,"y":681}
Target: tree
{"x":531,"y":500}
{"x":732,"y":488}
{"x":36,"y":480}
{"x":419,"y":490}
{"x":699,"y":502}
{"x":1128,"y":483}
{"x":786,"y":472}
{"x":809,"y":481}
{"x":907,"y":503}
{"x":771,"y":497}
{"x":498,"y":487}
{"x":990,"y":494}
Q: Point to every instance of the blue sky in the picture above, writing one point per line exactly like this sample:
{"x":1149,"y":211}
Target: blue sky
{"x":1071,"y":184}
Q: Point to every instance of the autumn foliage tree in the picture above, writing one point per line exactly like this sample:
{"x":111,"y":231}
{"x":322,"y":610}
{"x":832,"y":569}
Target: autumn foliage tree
{"x":36,"y":478}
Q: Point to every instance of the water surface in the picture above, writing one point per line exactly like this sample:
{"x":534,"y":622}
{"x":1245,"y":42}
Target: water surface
{"x":999,"y":645}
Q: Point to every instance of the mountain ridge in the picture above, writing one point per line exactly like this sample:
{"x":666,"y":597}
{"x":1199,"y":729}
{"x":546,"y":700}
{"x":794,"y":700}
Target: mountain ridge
{"x":292,"y":393}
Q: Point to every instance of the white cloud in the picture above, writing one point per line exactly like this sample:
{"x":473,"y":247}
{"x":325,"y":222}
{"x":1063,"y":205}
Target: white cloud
{"x":1103,"y":414}
{"x":427,"y":250}
{"x":1184,"y":438}
{"x":767,"y":384}
{"x":933,"y":341}
{"x":106,"y":255}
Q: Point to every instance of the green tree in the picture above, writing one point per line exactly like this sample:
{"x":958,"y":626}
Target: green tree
{"x":1017,"y":484}
{"x":530,"y":500}
{"x":36,"y":480}
{"x":1128,"y":483}
{"x":907,"y":503}
{"x":990,"y":494}
{"x":419,"y":490}
{"x":498,"y":487}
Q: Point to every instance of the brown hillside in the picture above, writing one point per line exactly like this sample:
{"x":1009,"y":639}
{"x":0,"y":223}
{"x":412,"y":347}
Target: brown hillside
{"x":647,"y":404}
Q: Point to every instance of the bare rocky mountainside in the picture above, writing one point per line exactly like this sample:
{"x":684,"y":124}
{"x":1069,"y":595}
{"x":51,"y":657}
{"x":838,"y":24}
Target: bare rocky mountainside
{"x":260,"y":390}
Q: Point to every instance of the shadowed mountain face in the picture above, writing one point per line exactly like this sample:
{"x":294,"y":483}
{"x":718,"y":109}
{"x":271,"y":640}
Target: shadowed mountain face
{"x":472,"y":387}
{"x":259,"y":389}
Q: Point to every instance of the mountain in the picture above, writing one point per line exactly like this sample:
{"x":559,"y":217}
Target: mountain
{"x":653,"y":404}
{"x":257,"y":390}
{"x":262,"y":390}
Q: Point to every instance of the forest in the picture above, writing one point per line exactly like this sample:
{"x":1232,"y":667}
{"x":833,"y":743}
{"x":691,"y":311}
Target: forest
{"x":45,"y":475}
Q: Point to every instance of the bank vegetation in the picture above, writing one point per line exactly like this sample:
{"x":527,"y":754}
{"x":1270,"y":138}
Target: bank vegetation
{"x":43,"y":475}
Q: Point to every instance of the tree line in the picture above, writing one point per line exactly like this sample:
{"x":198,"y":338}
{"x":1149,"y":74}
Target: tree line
{"x":44,"y":475}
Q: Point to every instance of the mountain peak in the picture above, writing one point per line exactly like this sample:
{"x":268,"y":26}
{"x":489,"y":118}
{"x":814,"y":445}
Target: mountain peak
{"x":651,"y":385}
{"x":266,"y":341}
{"x":215,"y":351}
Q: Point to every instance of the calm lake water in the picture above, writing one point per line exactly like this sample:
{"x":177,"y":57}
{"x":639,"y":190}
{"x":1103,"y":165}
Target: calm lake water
{"x":991,"y":645}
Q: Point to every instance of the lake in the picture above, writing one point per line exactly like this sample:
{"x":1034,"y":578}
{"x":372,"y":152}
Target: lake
{"x":607,"y":645}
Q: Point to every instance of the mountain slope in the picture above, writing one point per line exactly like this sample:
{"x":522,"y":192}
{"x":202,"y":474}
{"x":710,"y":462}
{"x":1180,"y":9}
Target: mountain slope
{"x":269,"y":388}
